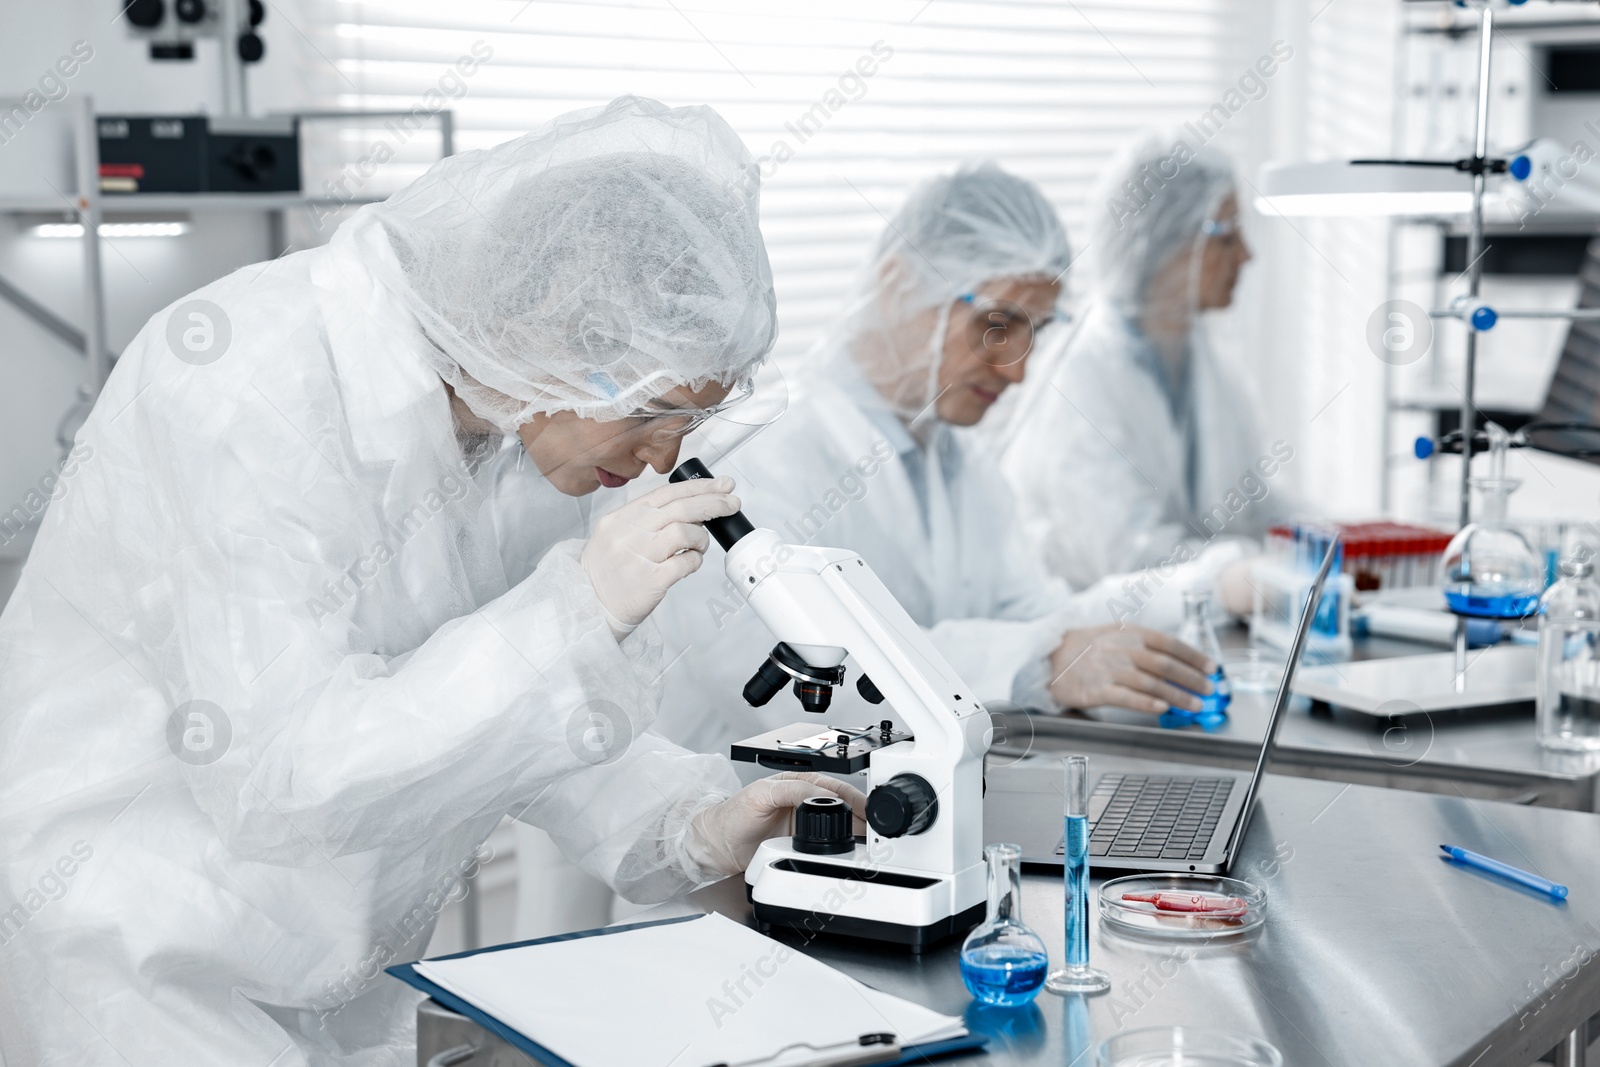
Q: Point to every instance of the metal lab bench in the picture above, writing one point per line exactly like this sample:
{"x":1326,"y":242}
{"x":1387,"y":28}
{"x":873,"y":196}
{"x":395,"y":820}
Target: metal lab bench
{"x":1374,"y":950}
{"x":1479,"y":754}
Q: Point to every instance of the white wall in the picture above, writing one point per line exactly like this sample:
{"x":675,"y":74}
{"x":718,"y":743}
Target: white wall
{"x":141,"y":275}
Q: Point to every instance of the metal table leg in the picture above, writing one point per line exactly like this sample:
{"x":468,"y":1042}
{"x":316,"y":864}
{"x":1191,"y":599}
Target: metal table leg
{"x":1574,"y":1048}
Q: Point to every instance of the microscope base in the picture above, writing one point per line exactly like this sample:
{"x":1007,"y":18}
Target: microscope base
{"x":913,"y":938}
{"x":850,"y":895}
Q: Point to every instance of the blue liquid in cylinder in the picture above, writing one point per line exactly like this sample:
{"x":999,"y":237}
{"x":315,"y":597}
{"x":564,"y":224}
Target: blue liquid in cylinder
{"x":1002,"y":975}
{"x":1077,"y":903}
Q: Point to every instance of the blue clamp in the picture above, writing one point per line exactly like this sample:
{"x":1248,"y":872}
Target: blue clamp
{"x":1423,"y":447}
{"x":1521,"y":167}
{"x":1483,"y":317}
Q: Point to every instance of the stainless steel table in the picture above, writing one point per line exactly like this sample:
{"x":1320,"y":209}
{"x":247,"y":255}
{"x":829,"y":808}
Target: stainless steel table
{"x":1477,"y":754}
{"x":1375,"y":952}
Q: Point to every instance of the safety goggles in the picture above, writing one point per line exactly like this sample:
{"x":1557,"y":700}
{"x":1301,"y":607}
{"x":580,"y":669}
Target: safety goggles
{"x":1222,"y":229}
{"x":664,"y":422}
{"x":1000,"y":332}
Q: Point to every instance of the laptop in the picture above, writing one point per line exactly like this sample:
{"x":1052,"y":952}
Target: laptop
{"x":1146,"y":822}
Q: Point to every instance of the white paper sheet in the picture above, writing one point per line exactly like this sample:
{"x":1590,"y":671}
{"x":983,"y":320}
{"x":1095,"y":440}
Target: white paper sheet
{"x":686,"y":994}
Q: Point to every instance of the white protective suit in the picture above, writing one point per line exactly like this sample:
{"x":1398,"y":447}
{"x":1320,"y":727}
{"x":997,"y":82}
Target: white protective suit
{"x":927,"y":509}
{"x":1170,"y":470}
{"x":287,"y":649}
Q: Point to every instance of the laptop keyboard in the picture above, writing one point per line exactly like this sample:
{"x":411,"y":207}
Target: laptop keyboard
{"x":1154,"y":817}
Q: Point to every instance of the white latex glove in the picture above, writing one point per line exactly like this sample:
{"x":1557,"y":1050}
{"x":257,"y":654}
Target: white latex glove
{"x":724,"y":837}
{"x":643,"y":548}
{"x":1129,"y":666}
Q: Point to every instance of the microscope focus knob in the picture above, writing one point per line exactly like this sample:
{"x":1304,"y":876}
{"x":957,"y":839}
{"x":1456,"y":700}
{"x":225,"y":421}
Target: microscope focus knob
{"x":905,"y":804}
{"x":823,"y":827}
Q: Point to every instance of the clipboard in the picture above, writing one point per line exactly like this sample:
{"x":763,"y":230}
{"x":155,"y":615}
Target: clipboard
{"x":407,"y":973}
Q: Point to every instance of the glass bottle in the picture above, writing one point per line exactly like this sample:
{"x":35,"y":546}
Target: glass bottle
{"x":1569,"y":661}
{"x":1490,"y":570}
{"x":1198,"y":632}
{"x":1077,"y":976}
{"x":1003,"y":962}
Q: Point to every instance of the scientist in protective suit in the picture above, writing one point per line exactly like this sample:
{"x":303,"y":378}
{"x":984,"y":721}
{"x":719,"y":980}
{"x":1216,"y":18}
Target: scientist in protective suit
{"x":873,"y":456}
{"x":1143,"y":421}
{"x":319,"y":605}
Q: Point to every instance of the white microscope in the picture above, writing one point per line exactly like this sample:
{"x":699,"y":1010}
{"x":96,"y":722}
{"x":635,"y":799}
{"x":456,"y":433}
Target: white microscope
{"x":918,"y":876}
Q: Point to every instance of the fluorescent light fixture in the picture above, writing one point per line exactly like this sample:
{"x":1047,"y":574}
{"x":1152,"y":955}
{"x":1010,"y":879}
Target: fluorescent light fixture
{"x":113,"y":229}
{"x":1366,"y":189}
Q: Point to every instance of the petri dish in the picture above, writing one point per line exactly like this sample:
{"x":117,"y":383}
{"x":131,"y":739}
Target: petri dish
{"x":1146,"y":918}
{"x":1189,"y":1046}
{"x":1255,"y":670}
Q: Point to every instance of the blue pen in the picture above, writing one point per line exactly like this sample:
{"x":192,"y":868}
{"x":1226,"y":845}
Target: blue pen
{"x":1505,"y":870}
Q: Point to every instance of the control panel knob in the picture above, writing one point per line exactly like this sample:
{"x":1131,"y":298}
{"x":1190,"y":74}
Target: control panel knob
{"x":823,"y":827}
{"x":905,"y":804}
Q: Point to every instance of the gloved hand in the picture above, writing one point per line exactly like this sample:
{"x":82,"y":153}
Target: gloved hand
{"x":724,"y":837}
{"x":642,"y":549}
{"x":1129,"y":666}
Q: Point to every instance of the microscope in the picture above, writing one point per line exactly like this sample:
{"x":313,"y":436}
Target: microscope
{"x":918,"y":875}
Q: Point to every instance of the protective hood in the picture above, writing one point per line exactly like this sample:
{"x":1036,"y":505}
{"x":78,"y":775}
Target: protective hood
{"x":592,"y":265}
{"x":954,"y":234}
{"x":1152,"y":203}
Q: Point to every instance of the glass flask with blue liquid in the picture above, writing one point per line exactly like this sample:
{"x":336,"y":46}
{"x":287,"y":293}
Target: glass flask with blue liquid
{"x":1197,"y":631}
{"x":1003,"y":962}
{"x":1490,"y":569}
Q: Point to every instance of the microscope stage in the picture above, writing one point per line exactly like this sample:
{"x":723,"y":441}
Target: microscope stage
{"x":809,"y":746}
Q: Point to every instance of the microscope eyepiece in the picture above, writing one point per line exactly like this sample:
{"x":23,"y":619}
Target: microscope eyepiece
{"x":727,"y":530}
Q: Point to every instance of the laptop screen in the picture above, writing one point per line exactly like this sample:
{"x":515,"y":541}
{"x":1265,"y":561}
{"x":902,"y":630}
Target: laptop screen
{"x":1285,"y":686}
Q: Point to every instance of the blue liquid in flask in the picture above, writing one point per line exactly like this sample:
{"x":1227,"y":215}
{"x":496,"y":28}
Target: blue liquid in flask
{"x":1077,"y":903}
{"x":1003,"y":963}
{"x":1002,"y":975}
{"x":1486,"y":603}
{"x":1213,"y":706}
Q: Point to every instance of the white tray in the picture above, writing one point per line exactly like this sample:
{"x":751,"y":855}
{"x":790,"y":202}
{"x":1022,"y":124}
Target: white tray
{"x":1408,"y":685}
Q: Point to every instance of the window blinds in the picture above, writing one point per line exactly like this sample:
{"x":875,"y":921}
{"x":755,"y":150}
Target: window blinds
{"x":847,"y":102}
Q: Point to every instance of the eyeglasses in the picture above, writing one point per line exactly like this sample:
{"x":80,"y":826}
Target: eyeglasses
{"x":999,"y":332}
{"x":665,"y":422}
{"x":1222,"y":229}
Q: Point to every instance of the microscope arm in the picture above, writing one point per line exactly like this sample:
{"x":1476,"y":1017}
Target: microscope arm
{"x":826,"y":603}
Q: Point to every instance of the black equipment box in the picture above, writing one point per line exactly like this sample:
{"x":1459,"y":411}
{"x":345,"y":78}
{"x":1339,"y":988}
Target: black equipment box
{"x":198,"y":154}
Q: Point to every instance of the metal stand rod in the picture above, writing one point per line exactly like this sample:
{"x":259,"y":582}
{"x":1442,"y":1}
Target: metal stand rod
{"x":234,"y":101}
{"x":1573,"y":1050}
{"x":1461,"y":654}
{"x":1469,"y":415}
{"x":87,"y":201}
{"x":1574,"y":314}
